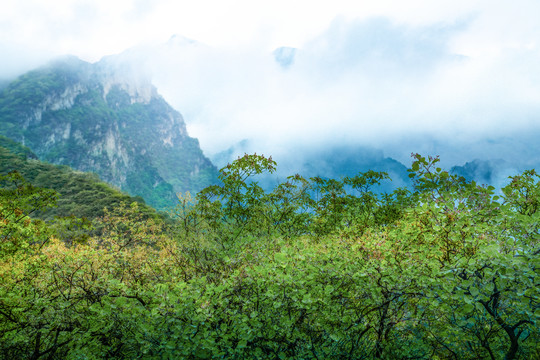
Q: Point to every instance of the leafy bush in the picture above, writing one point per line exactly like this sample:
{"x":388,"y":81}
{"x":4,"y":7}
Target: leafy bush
{"x":315,"y":269}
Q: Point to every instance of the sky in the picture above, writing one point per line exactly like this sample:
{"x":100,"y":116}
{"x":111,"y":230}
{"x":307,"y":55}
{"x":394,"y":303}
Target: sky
{"x":458,"y":78}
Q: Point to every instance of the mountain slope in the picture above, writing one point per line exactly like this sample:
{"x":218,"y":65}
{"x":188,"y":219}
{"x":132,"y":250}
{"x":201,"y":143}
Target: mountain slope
{"x":490,"y":172}
{"x":107,"y":119}
{"x":80,"y":194}
{"x":332,"y":162}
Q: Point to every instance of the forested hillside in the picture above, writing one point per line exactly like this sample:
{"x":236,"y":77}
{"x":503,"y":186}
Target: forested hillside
{"x":78,"y":194}
{"x":313,"y":269}
{"x":104,"y":119}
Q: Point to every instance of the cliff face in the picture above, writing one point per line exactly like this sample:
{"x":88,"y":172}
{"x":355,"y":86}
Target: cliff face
{"x":104,"y":118}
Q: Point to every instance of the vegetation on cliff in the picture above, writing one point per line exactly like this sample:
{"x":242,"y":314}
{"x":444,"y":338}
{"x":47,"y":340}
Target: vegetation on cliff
{"x":95,"y":119}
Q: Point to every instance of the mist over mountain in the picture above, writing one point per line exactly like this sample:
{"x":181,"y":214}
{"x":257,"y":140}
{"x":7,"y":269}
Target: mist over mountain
{"x":334,"y":162}
{"x":364,"y":93}
{"x":332,"y":99}
{"x":487,"y":172}
{"x":109,"y":119}
{"x":368,"y":83}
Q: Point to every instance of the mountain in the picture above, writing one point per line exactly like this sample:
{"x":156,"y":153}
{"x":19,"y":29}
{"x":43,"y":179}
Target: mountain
{"x":490,"y":172}
{"x":106,"y":118}
{"x":329,"y":162}
{"x":340,"y":161}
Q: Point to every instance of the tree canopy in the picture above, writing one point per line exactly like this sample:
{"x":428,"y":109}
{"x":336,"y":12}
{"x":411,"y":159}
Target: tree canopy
{"x":314,"y":269}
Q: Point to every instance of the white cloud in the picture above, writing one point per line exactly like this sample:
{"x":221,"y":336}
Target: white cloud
{"x":388,"y":74}
{"x":369,"y":81}
{"x":94,"y":28}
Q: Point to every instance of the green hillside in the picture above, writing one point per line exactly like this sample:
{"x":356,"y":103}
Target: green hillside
{"x":95,"y":118}
{"x":79,"y":194}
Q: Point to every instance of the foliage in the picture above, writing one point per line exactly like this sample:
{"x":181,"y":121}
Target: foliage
{"x":19,"y":200}
{"x":81,"y":195}
{"x":315,"y":269}
{"x":16,"y":149}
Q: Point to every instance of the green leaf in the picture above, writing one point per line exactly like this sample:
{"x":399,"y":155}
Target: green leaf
{"x":280,"y":257}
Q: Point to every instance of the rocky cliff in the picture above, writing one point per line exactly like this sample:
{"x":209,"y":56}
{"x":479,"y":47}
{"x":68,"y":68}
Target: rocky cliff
{"x":108,"y":119}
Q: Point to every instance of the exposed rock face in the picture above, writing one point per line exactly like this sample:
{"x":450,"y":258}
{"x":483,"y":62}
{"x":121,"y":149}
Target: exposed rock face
{"x":106,"y":118}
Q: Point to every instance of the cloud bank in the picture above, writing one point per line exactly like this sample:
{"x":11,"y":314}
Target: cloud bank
{"x":456,"y":78}
{"x":370,"y":82}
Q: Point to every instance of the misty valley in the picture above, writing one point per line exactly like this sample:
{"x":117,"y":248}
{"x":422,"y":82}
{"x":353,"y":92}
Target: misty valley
{"x":121,"y":239}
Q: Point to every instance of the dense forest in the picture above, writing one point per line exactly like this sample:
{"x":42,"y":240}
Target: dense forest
{"x":313,"y":269}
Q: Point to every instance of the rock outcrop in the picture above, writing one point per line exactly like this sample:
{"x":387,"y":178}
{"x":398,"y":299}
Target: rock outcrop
{"x":108,"y":119}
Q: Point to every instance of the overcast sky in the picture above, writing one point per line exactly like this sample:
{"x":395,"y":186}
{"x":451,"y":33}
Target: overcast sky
{"x":385,"y":74}
{"x":93,"y":28}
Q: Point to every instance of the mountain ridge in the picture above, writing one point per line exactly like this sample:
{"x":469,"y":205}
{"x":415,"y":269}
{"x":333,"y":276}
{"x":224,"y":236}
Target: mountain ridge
{"x":103,"y":118}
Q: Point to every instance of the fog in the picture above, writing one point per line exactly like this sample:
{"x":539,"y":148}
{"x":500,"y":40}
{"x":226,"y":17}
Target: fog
{"x":370,"y":83}
{"x":460,"y":79}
